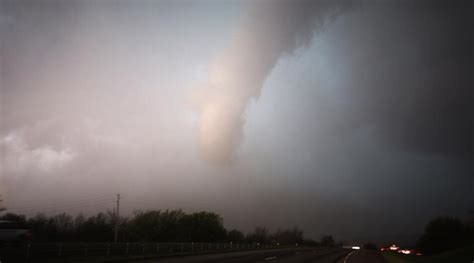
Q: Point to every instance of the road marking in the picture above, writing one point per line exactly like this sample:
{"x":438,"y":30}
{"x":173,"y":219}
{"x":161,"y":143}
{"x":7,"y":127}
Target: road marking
{"x":270,"y":258}
{"x":347,"y":257}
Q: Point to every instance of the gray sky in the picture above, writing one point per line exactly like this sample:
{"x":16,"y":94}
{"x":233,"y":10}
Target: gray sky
{"x":348,"y":118}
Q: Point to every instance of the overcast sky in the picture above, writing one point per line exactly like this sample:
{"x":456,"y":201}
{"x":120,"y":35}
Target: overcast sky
{"x":348,"y":118}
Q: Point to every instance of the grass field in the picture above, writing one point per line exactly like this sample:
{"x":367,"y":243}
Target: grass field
{"x":395,"y":257}
{"x":453,"y":256}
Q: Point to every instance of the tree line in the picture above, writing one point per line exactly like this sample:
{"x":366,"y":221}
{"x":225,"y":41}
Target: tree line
{"x":446,"y":233}
{"x":152,"y":226}
{"x":441,"y":234}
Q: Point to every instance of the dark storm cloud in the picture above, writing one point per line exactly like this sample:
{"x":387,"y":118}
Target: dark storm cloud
{"x":410,"y":71}
{"x":411,"y":68}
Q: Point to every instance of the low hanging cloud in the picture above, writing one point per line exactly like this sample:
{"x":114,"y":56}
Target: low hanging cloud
{"x":268,"y":31}
{"x":17,"y":155}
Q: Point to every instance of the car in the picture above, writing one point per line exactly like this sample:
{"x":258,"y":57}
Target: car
{"x":410,"y":252}
{"x":390,"y":248}
{"x":10,"y":231}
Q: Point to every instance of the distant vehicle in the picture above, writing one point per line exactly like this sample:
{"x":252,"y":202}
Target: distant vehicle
{"x":390,"y":248}
{"x":11,"y":232}
{"x":399,"y":250}
{"x":409,"y":252}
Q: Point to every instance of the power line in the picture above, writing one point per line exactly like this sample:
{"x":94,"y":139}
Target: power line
{"x":39,"y":206}
{"x":81,"y":200}
{"x":61,"y":208}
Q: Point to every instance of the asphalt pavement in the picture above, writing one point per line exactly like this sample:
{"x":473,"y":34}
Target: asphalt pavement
{"x":363,"y":256}
{"x":281,"y":255}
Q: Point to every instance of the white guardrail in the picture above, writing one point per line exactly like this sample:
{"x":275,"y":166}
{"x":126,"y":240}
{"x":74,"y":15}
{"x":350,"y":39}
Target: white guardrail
{"x":34,"y":251}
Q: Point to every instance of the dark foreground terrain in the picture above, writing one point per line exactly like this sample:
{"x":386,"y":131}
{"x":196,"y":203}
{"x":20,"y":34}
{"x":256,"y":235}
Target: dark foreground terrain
{"x":328,"y":255}
{"x":284,"y":255}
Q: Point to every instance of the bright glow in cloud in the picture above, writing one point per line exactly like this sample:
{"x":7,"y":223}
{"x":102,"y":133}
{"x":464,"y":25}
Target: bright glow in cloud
{"x":19,"y":156}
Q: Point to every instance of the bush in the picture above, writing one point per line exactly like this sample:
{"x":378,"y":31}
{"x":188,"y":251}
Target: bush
{"x":235,"y":236}
{"x":327,"y":241}
{"x":444,"y":233}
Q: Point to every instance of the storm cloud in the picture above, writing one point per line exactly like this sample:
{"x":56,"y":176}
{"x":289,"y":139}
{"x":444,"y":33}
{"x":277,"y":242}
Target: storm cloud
{"x":317,"y":113}
{"x":415,"y":84}
{"x":269,"y":30}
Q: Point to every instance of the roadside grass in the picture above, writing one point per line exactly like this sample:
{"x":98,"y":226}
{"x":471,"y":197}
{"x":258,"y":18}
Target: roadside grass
{"x":395,"y":257}
{"x":465,"y":254}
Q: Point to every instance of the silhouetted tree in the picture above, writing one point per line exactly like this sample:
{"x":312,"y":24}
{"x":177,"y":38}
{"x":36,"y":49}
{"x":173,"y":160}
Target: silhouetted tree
{"x":202,"y":227}
{"x":64,"y":226}
{"x":311,"y":242}
{"x":41,"y":227}
{"x":293,"y":236}
{"x":2,"y":207}
{"x":444,"y":233}
{"x":149,"y":226}
{"x":99,"y":228}
{"x":19,"y":219}
{"x":327,"y":241}
{"x":175,"y":225}
{"x":259,"y":235}
{"x":235,"y":236}
{"x":470,"y":220}
{"x":146,"y":226}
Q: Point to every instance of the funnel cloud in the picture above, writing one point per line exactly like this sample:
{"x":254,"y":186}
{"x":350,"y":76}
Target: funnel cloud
{"x":268,"y":31}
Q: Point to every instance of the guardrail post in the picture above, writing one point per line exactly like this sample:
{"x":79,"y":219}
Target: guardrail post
{"x":143,"y":249}
{"x":126,"y":248}
{"x":108,"y":249}
{"x":60,"y":249}
{"x":85,"y":249}
{"x":158,"y":248}
{"x":27,"y":254}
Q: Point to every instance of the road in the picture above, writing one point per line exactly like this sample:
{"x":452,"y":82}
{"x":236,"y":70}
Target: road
{"x":363,"y":256}
{"x":280,"y":256}
{"x":290,"y":255}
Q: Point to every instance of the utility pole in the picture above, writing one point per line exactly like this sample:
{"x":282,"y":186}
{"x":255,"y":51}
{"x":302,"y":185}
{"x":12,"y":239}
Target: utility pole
{"x":117,"y":217}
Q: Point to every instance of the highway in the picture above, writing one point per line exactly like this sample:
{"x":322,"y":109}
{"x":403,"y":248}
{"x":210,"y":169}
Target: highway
{"x":282,"y":255}
{"x":288,"y":255}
